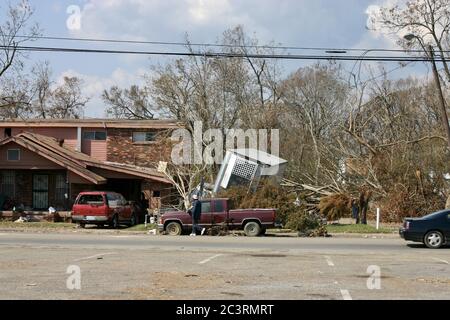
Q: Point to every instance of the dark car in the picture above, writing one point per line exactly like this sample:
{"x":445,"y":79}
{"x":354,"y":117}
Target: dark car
{"x":433,"y":230}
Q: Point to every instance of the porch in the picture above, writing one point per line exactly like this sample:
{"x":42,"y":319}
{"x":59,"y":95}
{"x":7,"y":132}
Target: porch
{"x":36,"y":216}
{"x":34,"y":190}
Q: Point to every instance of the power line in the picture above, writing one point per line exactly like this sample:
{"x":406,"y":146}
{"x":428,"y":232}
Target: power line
{"x":388,"y":72}
{"x":228,"y":55}
{"x":331,"y":50}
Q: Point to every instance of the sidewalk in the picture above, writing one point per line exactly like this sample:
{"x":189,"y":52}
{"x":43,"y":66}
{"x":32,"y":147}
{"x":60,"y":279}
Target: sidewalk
{"x":270,"y":233}
{"x":342,"y":235}
{"x":366,"y":235}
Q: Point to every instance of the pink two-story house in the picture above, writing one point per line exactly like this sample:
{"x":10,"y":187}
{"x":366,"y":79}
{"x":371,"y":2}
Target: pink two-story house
{"x":46,"y":163}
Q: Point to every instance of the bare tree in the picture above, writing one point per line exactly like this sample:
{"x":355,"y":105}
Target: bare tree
{"x":184,"y":178}
{"x":68,"y":100}
{"x":261,"y":92}
{"x":15,"y":96}
{"x":18,"y":18}
{"x":428,"y":21}
{"x":132,"y":103}
{"x":314,"y":98}
{"x":42,"y":87}
{"x":199,"y":89}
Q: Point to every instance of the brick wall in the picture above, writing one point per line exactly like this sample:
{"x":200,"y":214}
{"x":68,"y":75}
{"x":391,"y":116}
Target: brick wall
{"x":121,"y":149}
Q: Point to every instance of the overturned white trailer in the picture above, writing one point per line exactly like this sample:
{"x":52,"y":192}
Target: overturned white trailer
{"x":247,"y":167}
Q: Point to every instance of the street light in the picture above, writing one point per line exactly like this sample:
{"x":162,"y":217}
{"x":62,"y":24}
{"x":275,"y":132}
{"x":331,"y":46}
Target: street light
{"x":430,"y":53}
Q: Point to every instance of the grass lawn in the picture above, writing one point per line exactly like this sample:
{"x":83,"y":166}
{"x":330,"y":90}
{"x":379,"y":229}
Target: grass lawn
{"x":66,"y":226}
{"x":141,"y":227}
{"x":43,"y":225}
{"x":358,"y":228}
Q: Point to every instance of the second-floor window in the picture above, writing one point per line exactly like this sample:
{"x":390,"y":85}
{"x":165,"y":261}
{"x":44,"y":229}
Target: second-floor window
{"x":143,"y":137}
{"x":94,"y":135}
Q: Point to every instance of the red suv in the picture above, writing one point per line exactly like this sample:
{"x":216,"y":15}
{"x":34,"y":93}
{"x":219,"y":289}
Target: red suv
{"x":103,"y":207}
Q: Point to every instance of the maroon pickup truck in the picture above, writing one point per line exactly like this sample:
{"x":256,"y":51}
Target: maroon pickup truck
{"x":216,"y":211}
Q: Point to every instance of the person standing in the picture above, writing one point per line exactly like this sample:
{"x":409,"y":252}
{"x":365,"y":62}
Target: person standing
{"x":196,"y":212}
{"x":355,"y":210}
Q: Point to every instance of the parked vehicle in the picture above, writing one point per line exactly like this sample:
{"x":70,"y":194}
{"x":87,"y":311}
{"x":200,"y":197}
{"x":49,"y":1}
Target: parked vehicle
{"x":433,"y":230}
{"x":103,"y":208}
{"x":215,"y":212}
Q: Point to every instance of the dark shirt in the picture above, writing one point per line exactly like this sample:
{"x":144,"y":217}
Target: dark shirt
{"x":196,"y":209}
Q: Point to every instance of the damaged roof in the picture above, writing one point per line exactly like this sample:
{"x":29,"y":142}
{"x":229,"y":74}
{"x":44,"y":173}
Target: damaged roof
{"x":92,"y":123}
{"x":77,"y":162}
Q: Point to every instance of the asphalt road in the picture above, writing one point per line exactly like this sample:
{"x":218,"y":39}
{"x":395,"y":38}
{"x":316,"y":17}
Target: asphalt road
{"x":147,"y":242}
{"x":39,"y":266}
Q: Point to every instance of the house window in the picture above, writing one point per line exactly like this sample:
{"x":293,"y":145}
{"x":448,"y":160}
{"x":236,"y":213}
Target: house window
{"x":94,"y":135}
{"x":8,"y":132}
{"x":142,"y":137}
{"x":7,"y":183}
{"x":13,"y":155}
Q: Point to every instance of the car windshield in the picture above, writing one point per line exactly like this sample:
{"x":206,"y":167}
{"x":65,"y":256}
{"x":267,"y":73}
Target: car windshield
{"x":436,"y":214}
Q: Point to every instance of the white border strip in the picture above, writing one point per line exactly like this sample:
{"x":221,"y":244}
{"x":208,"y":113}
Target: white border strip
{"x":346,"y":295}
{"x":329,"y":262}
{"x":210,"y":258}
{"x":96,"y":256}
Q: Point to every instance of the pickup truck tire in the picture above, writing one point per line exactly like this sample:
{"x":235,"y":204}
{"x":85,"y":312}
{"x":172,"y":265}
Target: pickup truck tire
{"x":133,"y":220}
{"x":252,"y":229}
{"x":174,"y":229}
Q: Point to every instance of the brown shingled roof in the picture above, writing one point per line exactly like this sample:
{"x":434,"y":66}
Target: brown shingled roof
{"x":93,"y":123}
{"x":71,"y":165}
{"x":78,"y":162}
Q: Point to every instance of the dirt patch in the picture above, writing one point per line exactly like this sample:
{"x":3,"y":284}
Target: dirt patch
{"x":232,"y":294}
{"x":433,"y":280}
{"x":365,"y":276}
{"x":318,"y":295}
{"x":175,"y":285}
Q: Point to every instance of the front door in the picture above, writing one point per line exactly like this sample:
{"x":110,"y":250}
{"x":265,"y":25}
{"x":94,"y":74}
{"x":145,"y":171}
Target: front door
{"x":40,"y":192}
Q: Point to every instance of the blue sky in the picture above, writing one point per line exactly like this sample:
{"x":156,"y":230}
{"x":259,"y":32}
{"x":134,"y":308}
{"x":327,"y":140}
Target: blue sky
{"x":306,"y":23}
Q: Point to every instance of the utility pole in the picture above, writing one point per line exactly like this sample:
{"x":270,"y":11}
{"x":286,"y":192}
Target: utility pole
{"x":441,"y":95}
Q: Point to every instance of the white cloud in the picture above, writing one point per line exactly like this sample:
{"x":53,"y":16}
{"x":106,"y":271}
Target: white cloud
{"x":204,"y":11}
{"x":380,"y":32}
{"x":286,"y":21}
